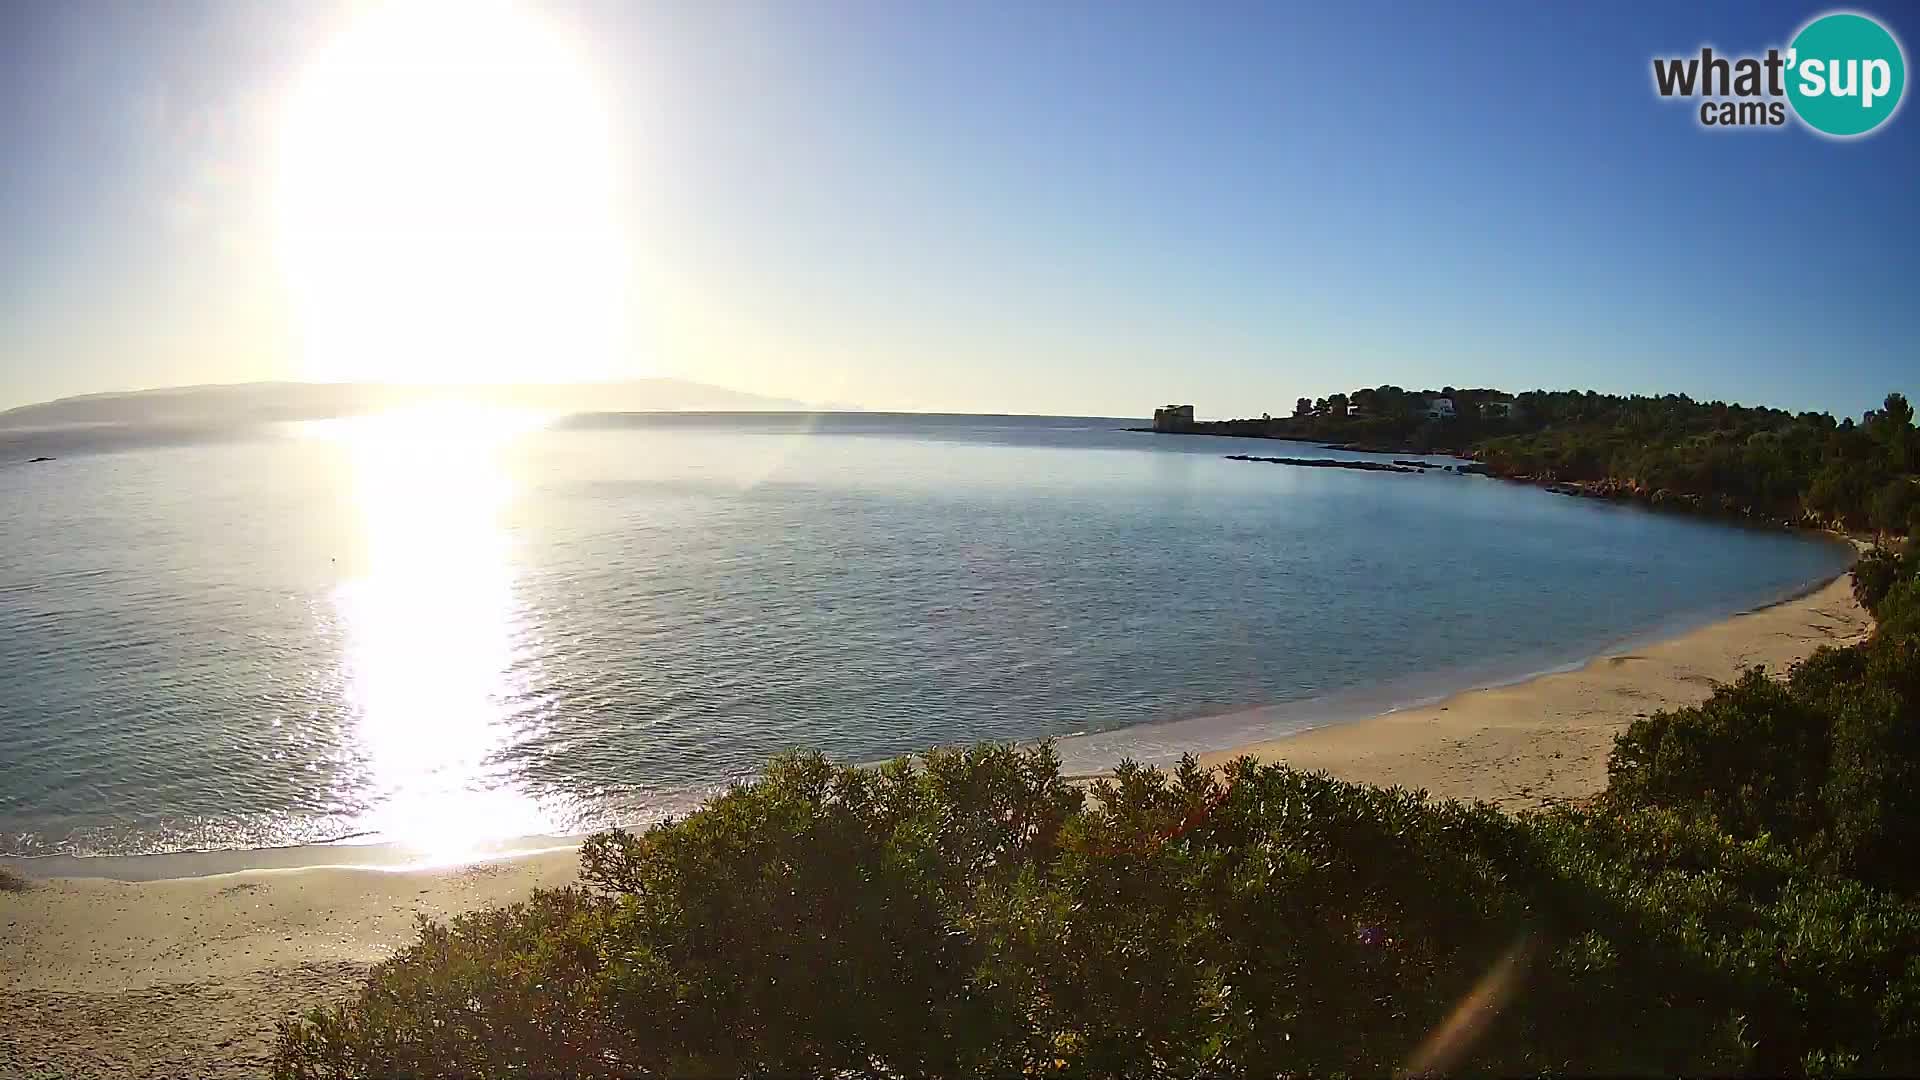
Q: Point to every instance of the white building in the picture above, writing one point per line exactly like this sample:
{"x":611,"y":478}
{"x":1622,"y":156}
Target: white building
{"x":1440,"y":408}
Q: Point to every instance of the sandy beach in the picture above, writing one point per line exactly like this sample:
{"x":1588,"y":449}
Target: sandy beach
{"x":1546,"y":739}
{"x":186,"y":976}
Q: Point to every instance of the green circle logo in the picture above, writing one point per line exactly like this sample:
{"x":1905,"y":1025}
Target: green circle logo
{"x":1845,"y":74}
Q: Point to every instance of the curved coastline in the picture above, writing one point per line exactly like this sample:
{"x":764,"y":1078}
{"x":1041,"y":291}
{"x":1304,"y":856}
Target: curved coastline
{"x":199,"y":950}
{"x":1545,"y":740}
{"x":1342,"y":732}
{"x":1218,"y":735}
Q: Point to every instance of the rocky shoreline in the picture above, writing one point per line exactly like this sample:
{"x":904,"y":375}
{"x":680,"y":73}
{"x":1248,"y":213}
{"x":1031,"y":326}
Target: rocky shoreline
{"x":1664,"y":499}
{"x":1398,"y":466}
{"x":1610,"y":489}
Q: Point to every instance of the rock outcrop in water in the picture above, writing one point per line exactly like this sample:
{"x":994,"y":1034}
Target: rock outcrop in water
{"x":1327,"y":463}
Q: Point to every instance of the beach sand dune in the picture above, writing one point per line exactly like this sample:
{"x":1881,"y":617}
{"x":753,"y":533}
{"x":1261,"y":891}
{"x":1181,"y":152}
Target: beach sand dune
{"x":185,"y":976}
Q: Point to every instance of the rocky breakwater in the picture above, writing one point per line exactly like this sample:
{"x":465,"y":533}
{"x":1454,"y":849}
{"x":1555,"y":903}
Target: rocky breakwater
{"x":1465,"y":468}
{"x":1328,"y":463}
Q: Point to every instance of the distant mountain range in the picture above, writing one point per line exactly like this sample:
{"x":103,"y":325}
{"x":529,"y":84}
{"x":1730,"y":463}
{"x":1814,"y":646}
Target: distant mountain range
{"x":243,"y":404}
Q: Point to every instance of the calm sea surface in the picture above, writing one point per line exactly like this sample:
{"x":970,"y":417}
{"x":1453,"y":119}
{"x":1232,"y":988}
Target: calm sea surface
{"x":441,"y":629}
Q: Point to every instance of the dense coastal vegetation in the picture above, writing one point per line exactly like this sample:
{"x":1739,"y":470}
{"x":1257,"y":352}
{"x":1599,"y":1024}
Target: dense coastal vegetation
{"x":1740,"y":899}
{"x":1805,"y":467}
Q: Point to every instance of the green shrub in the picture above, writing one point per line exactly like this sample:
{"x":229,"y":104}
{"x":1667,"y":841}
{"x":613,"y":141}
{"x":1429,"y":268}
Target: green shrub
{"x":972,"y":914}
{"x":1899,"y":610}
{"x":495,"y":992}
{"x":1310,"y":926}
{"x":1753,"y":756}
{"x":803,"y":924}
{"x":1818,"y":969}
{"x":1870,"y":789}
{"x":1827,"y":761}
{"x":1874,"y":573}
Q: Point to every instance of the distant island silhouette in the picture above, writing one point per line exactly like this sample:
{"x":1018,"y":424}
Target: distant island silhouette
{"x":240,"y":404}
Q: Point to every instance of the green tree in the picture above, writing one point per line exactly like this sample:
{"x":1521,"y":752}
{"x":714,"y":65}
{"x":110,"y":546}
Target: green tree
{"x":1892,"y":427}
{"x":1894,"y":504}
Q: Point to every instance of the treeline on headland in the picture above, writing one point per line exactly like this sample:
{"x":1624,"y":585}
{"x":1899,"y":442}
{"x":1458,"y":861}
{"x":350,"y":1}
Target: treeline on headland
{"x":1806,"y":468}
{"x":1742,"y":899}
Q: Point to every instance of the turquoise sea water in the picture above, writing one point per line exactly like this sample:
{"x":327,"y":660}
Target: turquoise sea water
{"x":438,"y":630}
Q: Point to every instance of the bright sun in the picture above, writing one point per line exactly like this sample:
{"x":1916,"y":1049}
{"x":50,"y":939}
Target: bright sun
{"x":447,"y":197}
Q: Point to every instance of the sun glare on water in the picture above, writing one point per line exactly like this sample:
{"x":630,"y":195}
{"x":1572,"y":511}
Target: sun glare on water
{"x":446,"y":204}
{"x":433,"y":636}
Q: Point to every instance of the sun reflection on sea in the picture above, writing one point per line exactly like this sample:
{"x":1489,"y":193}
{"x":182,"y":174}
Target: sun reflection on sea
{"x":433,"y":630}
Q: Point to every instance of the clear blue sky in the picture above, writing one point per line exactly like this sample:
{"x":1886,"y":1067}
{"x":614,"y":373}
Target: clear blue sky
{"x":1054,"y":207}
